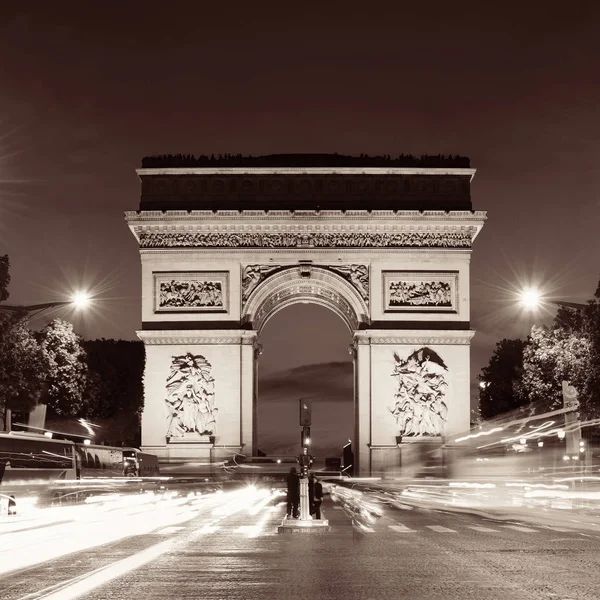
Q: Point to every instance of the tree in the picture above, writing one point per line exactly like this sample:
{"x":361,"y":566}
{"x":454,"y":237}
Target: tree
{"x":554,"y":354}
{"x":115,"y":386}
{"x":66,"y":377}
{"x":590,"y":391}
{"x":4,"y":277}
{"x":567,"y":351}
{"x":23,"y":366}
{"x":500,"y":389}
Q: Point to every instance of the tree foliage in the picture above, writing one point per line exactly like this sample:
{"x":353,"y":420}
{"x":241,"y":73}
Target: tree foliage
{"x":4,"y":277}
{"x":500,"y":388}
{"x":568,"y":350}
{"x":553,"y":355}
{"x":67,"y":368}
{"x":23,"y":365}
{"x":115,"y":383}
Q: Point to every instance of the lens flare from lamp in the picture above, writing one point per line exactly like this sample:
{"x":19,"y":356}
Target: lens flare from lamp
{"x":530,"y":298}
{"x":81,"y":299}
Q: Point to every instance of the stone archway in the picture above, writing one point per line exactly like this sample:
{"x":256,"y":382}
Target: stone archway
{"x":272,"y":288}
{"x":387,"y":248}
{"x":286,"y":285}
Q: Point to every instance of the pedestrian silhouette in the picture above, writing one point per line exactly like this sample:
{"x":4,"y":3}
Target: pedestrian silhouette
{"x":293,"y":493}
{"x":315,"y":492}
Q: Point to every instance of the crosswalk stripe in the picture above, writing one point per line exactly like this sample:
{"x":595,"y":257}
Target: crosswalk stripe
{"x":484,"y":529}
{"x":441,"y":529}
{"x":520,"y":528}
{"x":401,"y":529}
{"x":169,"y":530}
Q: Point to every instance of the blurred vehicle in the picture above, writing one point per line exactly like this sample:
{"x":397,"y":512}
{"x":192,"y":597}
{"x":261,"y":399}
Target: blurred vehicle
{"x":33,"y":457}
{"x":25,"y":456}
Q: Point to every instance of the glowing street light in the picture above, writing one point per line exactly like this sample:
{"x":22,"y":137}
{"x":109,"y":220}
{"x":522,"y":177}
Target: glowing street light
{"x":79,"y":300}
{"x":531,"y":298}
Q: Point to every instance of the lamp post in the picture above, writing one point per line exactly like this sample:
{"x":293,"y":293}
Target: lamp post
{"x":533,"y":299}
{"x":78,"y":300}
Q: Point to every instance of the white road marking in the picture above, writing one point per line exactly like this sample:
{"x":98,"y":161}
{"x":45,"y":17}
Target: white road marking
{"x":401,"y":529}
{"x":441,"y":529}
{"x":337,"y":508}
{"x":169,"y":530}
{"x":520,"y":528}
{"x":78,"y":586}
{"x":484,"y":529}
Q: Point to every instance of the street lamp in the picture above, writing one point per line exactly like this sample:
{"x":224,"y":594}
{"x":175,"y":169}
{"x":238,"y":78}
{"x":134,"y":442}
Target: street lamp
{"x":78,"y":300}
{"x":532,"y":298}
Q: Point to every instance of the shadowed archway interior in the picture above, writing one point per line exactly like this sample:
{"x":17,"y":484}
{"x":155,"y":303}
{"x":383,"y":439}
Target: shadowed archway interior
{"x":305,"y":354}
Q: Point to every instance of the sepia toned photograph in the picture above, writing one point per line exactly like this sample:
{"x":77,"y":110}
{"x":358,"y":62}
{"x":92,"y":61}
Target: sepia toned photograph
{"x":299,"y":301}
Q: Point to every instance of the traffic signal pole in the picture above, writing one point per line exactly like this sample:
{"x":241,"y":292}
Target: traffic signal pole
{"x":305,"y":524}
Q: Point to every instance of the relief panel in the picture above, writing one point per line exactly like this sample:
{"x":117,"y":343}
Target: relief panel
{"x":190,"y":399}
{"x":420,"y":407}
{"x":420,"y":291}
{"x":191,"y":291}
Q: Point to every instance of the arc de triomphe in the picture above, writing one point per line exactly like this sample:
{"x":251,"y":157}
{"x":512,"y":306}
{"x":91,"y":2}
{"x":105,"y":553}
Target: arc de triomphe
{"x":223,"y":248}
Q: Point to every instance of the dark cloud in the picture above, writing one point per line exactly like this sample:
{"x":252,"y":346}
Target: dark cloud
{"x":325,"y":381}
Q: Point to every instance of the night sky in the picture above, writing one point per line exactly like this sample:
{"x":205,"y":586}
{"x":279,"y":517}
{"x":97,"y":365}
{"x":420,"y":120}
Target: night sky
{"x":85,"y":95}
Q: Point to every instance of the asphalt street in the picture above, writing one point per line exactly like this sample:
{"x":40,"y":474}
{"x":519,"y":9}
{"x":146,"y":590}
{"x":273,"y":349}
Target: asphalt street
{"x":229,"y":548}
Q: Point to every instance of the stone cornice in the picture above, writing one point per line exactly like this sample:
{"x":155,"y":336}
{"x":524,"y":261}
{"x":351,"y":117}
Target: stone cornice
{"x":307,"y":171}
{"x":413,"y":337}
{"x":304,"y":229}
{"x":185,"y":217}
{"x":199,"y":337}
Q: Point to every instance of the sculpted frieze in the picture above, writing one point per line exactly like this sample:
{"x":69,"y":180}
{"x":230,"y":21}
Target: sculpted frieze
{"x":420,"y":400}
{"x":252,"y":275}
{"x":417,"y":239}
{"x":356,"y":275}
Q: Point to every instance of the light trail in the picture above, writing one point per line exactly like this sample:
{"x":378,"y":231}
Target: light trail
{"x":68,"y":530}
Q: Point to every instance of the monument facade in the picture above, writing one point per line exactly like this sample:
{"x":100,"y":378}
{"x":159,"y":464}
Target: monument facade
{"x":227,"y":243}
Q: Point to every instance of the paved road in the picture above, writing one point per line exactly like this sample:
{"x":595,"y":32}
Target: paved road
{"x":229,"y":548}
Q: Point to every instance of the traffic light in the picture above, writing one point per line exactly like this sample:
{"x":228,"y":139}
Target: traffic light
{"x":305,"y":436}
{"x":304,"y":412}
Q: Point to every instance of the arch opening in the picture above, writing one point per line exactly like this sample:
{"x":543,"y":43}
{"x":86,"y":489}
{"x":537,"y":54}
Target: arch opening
{"x":305,"y":355}
{"x":305,"y":284}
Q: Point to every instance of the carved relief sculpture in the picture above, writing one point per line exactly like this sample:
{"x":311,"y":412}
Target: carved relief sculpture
{"x":176,"y":293}
{"x":408,"y":239}
{"x":190,"y":398}
{"x":420,"y":408}
{"x":252,"y":275}
{"x":191,"y":292}
{"x":357,"y":275}
{"x":412,"y":291}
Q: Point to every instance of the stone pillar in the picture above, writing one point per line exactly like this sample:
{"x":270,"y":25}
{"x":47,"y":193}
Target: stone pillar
{"x":248,"y":367}
{"x":222,"y":357}
{"x":389,"y":364}
{"x":361,"y":444}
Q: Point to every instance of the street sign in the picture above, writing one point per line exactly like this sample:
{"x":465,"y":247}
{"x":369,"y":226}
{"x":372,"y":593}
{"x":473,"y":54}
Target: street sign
{"x":304,"y":412}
